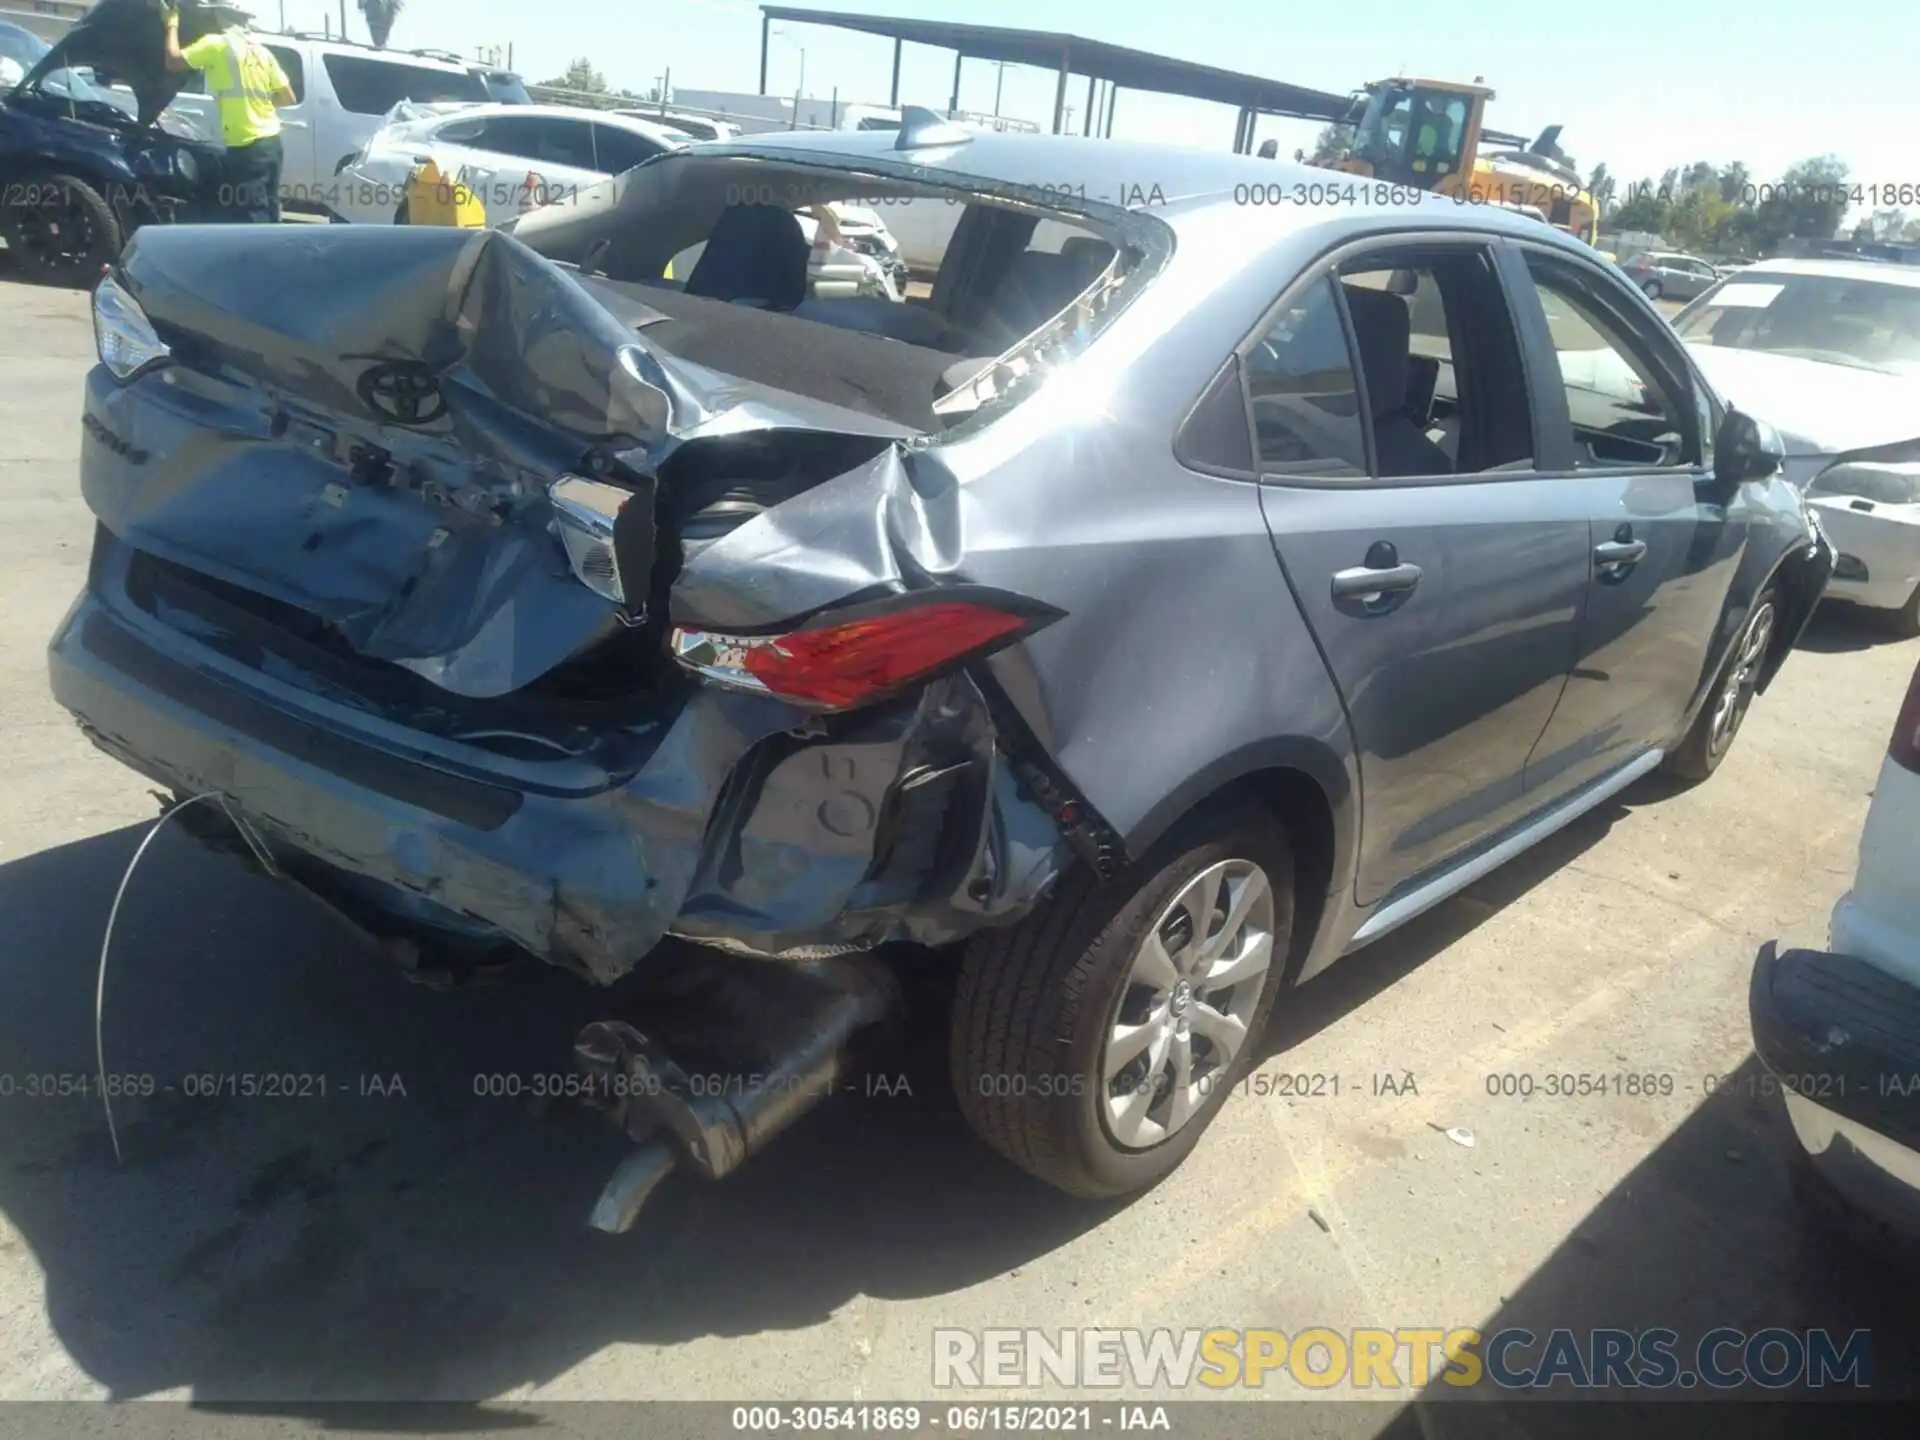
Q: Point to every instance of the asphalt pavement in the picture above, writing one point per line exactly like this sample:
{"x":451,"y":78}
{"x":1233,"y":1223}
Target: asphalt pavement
{"x":403,"y":1236}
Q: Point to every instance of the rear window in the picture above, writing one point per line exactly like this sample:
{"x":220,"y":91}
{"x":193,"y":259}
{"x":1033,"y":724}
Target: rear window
{"x":373,"y":87}
{"x":296,"y":70}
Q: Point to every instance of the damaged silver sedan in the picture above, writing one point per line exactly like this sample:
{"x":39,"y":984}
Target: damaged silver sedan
{"x":1181,"y":594}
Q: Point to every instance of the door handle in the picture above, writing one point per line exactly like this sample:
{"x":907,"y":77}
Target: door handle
{"x":1619,"y":552}
{"x":1369,"y":580}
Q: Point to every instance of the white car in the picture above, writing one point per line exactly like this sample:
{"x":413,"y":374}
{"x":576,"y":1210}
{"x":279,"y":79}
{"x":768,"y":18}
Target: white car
{"x":1839,"y":1029}
{"x":342,"y":94}
{"x":516,"y":158}
{"x":513,"y":157}
{"x":694,"y":127}
{"x":1828,"y":351}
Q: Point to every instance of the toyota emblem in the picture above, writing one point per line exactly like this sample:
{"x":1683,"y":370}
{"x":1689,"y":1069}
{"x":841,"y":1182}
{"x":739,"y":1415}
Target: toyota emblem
{"x":405,"y":392}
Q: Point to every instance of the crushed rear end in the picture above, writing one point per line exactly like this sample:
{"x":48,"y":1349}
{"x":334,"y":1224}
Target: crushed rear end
{"x":397,"y":546}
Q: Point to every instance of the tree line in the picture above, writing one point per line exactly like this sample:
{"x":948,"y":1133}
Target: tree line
{"x":1723,"y":209}
{"x":583,"y":78}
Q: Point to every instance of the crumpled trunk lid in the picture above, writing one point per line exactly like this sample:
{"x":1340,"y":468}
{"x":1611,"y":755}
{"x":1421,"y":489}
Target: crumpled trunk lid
{"x":362,"y":424}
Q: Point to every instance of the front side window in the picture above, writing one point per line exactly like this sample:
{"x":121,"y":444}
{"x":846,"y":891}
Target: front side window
{"x":1413,"y":134}
{"x":1621,"y":412}
{"x":617,"y":151}
{"x":296,"y":70}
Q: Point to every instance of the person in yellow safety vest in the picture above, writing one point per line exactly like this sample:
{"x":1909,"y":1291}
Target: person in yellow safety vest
{"x":246,"y":83}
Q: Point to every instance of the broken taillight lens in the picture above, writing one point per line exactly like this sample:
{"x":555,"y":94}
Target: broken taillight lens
{"x":840,"y":664}
{"x":1904,"y":749}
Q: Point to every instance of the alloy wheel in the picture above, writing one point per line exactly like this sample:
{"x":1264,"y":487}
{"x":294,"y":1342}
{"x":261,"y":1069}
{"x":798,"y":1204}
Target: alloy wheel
{"x":1743,"y":677}
{"x":1182,"y":1016}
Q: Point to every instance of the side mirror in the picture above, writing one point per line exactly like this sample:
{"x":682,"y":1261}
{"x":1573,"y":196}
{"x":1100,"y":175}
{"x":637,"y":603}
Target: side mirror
{"x":1745,"y":449}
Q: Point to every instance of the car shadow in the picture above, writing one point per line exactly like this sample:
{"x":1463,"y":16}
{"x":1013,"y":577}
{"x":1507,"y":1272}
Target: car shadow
{"x":401,"y":1236}
{"x":1841,"y":629}
{"x":1358,"y":977}
{"x":1704,"y":1233}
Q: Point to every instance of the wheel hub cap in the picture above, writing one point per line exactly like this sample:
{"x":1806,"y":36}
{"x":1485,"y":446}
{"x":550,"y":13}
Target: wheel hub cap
{"x":1182,"y":1015}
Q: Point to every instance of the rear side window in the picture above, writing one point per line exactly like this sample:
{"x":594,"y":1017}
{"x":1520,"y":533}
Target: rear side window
{"x":1300,"y":385}
{"x":296,"y":70}
{"x":373,"y":87}
{"x":535,"y":138}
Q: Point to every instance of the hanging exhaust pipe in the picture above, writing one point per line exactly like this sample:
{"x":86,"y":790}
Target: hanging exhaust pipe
{"x":712,"y":1127}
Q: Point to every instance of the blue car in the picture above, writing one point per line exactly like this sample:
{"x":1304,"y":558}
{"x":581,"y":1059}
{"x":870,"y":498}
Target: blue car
{"x":1209,"y":575}
{"x":83,"y":166}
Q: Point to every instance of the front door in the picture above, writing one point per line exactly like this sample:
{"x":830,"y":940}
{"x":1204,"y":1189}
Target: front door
{"x":1625,"y":428}
{"x":1441,"y":577}
{"x":303,"y":172}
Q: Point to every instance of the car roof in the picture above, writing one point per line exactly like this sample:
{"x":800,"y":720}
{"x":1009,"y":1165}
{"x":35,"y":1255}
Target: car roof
{"x":1884,"y":272}
{"x":1131,"y":174}
{"x":334,"y":44}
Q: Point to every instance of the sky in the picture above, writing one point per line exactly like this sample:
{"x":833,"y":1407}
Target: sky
{"x":1639,"y":84}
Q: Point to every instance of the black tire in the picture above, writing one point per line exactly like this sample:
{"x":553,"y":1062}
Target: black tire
{"x":1906,"y":620}
{"x":68,"y":237}
{"x":1705,"y":745}
{"x":1035,"y":1004}
{"x":1652,"y":289}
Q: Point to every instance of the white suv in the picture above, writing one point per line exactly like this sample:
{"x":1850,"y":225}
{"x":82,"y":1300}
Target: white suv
{"x":342,"y":94}
{"x":1840,"y":1028}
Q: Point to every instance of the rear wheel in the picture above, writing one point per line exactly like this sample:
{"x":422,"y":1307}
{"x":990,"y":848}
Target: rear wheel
{"x":1652,"y":287}
{"x":1095,"y":1041}
{"x":1720,"y":719}
{"x":61,"y":230}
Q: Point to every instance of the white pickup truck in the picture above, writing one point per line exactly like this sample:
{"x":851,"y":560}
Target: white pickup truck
{"x":342,"y":93}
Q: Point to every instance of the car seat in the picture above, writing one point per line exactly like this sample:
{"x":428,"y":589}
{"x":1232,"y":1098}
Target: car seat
{"x":1383,"y":327}
{"x":757,"y":255}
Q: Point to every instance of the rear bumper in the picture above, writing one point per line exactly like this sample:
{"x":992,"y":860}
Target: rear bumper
{"x":1842,"y":1038}
{"x":901,"y":824}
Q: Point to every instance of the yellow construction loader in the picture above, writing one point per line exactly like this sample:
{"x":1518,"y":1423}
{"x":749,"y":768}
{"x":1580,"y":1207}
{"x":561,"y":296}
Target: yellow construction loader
{"x":1430,"y":134}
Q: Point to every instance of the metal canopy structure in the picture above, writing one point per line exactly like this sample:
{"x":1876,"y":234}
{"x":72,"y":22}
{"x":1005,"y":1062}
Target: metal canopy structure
{"x":1115,"y":66}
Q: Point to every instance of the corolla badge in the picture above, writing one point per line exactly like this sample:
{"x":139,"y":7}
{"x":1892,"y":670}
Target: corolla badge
{"x":403,"y":391}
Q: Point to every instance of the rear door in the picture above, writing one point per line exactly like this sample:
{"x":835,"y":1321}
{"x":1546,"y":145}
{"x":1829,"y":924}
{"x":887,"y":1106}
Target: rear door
{"x":516,"y":161}
{"x":1442,"y":577}
{"x":1624,"y":427}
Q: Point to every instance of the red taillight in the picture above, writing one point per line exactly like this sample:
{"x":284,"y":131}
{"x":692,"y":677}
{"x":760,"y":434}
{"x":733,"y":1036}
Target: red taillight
{"x":1904,"y":748}
{"x":839,"y":667}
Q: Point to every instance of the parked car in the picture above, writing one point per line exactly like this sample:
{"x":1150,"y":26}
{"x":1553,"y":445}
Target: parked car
{"x":342,"y":94}
{"x":79,"y":171}
{"x":687,"y":123}
{"x":1668,"y":275}
{"x":1829,"y":352}
{"x":518,"y":157}
{"x":512,"y":156}
{"x":1102,"y":631}
{"x":1839,"y":1029}
{"x":341,"y":90}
